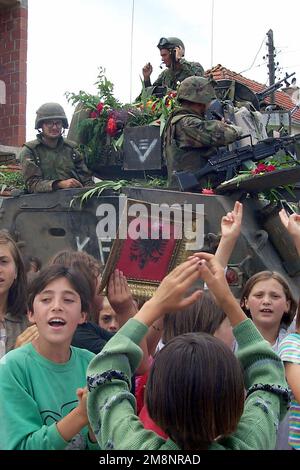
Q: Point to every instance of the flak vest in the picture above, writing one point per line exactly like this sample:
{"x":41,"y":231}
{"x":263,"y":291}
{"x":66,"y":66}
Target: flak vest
{"x":64,"y":167}
{"x":176,"y":158}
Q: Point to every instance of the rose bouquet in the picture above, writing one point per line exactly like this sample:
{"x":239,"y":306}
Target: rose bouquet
{"x":101,"y":132}
{"x":279,"y":161}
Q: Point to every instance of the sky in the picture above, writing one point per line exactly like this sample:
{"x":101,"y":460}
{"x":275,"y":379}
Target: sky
{"x":68,"y":40}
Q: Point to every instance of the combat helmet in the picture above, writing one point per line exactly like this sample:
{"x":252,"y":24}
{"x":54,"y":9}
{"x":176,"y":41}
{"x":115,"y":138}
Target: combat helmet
{"x":170,"y":43}
{"x":196,"y":90}
{"x":50,"y":111}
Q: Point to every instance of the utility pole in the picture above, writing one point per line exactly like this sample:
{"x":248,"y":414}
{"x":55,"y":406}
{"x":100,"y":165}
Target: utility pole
{"x":271,"y":63}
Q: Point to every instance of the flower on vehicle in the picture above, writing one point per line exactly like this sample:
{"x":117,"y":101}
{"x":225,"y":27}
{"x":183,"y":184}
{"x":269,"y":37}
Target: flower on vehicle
{"x":100,"y":107}
{"x":276,"y":162}
{"x":263,"y":168}
{"x":208,"y":191}
{"x":111,"y":127}
{"x":93,"y":115}
{"x":101,"y":132}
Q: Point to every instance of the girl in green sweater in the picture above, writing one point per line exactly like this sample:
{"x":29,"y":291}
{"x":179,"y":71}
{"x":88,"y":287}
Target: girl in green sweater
{"x":196,"y":388}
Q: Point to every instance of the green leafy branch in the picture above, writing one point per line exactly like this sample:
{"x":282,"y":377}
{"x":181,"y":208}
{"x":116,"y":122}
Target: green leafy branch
{"x":275,"y":195}
{"x":11,"y":179}
{"x":89,"y":101}
{"x":105,"y":90}
{"x":117,"y":185}
{"x":97,"y":190}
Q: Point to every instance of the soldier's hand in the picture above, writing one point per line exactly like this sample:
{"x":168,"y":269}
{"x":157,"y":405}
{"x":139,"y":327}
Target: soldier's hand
{"x":70,"y":183}
{"x":147,"y":70}
{"x":226,"y":121}
{"x":238,"y":130}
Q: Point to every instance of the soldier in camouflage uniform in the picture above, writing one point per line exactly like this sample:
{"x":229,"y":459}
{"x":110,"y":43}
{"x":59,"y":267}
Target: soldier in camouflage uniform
{"x":51,"y":162}
{"x":172,"y":52}
{"x":189,"y":140}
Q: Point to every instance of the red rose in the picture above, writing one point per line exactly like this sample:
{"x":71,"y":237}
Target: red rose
{"x":100,"y":106}
{"x":207,"y":191}
{"x":261,"y":168}
{"x":111,"y":127}
{"x":271,"y":168}
{"x":93,"y":115}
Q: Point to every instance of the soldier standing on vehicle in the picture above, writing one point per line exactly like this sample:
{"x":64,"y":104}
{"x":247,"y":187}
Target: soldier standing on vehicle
{"x":172,"y":52}
{"x":52,"y":162}
{"x":189,"y":139}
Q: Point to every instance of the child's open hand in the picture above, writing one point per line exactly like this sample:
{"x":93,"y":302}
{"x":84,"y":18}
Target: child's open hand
{"x":27,"y":336}
{"x":170,"y":295}
{"x":82,"y":396}
{"x":291,"y":223}
{"x":211,"y":271}
{"x":213,"y":274}
{"x":119,"y":294}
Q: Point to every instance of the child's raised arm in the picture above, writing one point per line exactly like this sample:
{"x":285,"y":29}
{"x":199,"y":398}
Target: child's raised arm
{"x":170,"y":295}
{"x":111,"y":407}
{"x":211,"y":271}
{"x":292,"y":224}
{"x":121,"y":300}
{"x":230,"y":231}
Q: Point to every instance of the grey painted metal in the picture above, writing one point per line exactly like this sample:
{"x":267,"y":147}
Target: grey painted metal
{"x":43,"y":224}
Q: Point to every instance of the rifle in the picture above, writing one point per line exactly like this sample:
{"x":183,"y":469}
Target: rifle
{"x":243,"y":93}
{"x":228,"y":161}
{"x":268,"y":91}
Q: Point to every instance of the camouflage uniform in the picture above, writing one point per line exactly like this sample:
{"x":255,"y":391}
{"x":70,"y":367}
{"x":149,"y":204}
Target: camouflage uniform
{"x":170,"y":78}
{"x":43,"y":165}
{"x":189,"y":140}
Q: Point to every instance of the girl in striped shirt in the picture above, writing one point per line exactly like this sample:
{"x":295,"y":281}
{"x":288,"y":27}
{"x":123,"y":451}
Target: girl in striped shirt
{"x":289,"y":348}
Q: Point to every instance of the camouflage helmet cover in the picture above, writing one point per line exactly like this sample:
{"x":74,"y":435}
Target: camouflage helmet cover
{"x":196,"y":90}
{"x":170,"y":43}
{"x":50,"y":111}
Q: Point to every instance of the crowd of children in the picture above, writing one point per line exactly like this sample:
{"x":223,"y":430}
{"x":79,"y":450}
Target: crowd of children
{"x":206,"y":370}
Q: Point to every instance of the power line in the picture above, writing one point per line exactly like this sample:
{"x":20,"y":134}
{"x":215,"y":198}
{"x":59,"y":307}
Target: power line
{"x":131,"y":50}
{"x":256,"y":66}
{"x":251,"y":66}
{"x":290,"y":66}
{"x":288,"y":52}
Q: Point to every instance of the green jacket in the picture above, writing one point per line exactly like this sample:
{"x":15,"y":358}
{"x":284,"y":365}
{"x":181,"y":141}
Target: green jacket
{"x":170,"y":78}
{"x":112,"y":408}
{"x":189,"y":140}
{"x":43,"y":165}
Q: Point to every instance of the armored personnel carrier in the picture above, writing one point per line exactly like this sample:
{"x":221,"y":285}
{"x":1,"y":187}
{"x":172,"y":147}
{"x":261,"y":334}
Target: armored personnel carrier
{"x":43,"y":224}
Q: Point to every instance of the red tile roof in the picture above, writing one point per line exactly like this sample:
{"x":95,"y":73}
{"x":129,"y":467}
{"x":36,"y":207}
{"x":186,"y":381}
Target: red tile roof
{"x":281,"y":99}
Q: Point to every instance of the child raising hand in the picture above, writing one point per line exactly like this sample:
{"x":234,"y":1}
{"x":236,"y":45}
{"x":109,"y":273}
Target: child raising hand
{"x":197,"y":406}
